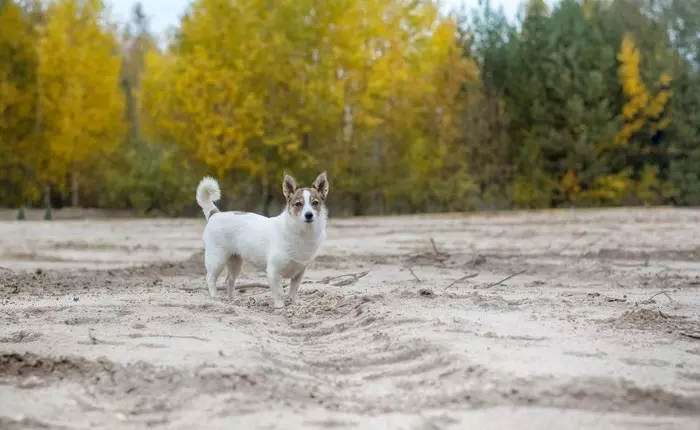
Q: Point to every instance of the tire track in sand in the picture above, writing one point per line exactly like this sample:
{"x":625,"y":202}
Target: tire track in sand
{"x":355,"y":357}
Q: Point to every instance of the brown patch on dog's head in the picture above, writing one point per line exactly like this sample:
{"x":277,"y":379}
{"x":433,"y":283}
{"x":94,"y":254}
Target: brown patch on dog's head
{"x":306,"y":203}
{"x":296,"y":204}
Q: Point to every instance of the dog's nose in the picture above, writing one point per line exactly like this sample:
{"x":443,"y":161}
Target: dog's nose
{"x":308,"y":215}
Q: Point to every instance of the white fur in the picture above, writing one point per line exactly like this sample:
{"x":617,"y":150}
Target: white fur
{"x":282,"y":245}
{"x":208,"y":192}
{"x":307,"y":204}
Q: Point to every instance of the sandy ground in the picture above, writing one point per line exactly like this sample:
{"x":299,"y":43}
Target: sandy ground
{"x":406,"y":323}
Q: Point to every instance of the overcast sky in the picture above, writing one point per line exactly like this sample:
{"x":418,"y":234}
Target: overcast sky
{"x":163,"y":14}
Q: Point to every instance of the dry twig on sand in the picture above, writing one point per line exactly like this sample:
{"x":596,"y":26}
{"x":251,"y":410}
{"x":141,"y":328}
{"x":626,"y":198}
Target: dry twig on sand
{"x":436,"y":257}
{"x":608,"y":298}
{"x":664,"y":292}
{"x":432,"y":242}
{"x":505,"y":279}
{"x":462,"y":279}
{"x":695,"y":335}
{"x":171,"y":336}
{"x":243,"y":287}
{"x":410,"y":269}
{"x":353,"y":277}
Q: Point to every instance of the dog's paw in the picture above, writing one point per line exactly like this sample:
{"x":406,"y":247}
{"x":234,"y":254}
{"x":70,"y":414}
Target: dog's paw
{"x":277,"y":304}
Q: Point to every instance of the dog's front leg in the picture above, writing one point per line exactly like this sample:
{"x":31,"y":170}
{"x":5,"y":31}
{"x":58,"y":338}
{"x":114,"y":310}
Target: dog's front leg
{"x":294,"y":285}
{"x":275,"y":281}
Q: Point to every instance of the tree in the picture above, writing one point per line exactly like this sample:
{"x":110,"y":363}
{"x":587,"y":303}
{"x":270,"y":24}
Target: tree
{"x":682,"y":21}
{"x":23,"y":154}
{"x":487,"y":39}
{"x":79,"y":96}
{"x":250,"y":88}
{"x":137,"y":42}
{"x":140,"y":174}
{"x":642,"y":113}
{"x":524,"y":89}
{"x":581,"y":111}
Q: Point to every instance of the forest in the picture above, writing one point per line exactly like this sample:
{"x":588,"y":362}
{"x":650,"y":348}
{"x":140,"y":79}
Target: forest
{"x":579,"y":103}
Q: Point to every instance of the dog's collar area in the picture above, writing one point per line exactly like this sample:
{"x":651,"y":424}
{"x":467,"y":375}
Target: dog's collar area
{"x":306,"y":262}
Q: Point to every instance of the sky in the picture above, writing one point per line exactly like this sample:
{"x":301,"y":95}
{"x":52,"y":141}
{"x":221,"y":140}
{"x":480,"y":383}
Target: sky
{"x":163,"y":14}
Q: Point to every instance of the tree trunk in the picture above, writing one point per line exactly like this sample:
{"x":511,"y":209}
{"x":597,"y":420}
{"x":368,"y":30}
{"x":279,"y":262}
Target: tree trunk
{"x":267,"y":198}
{"x":75,"y":190}
{"x":48,"y":212}
{"x":267,"y":203}
{"x":356,"y":204}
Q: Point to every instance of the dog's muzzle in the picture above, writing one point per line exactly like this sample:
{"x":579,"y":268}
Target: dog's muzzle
{"x":309,"y":217}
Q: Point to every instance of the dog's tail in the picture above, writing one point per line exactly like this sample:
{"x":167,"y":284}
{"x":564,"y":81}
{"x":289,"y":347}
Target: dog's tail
{"x":208,"y":192}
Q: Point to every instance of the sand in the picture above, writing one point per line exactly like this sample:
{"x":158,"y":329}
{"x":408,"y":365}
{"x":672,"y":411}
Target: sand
{"x":405,"y":323}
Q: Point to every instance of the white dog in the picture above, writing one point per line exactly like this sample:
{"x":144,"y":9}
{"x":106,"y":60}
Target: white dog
{"x":282,"y":245}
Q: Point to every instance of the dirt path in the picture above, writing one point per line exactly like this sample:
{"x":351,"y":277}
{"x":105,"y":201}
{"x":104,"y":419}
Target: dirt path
{"x":598,"y":327}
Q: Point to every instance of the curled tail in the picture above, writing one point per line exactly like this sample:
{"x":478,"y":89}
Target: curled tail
{"x":208,"y":192}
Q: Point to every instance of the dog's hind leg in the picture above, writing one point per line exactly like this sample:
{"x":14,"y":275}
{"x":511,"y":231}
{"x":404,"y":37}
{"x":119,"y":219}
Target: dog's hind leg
{"x":215,"y":262}
{"x":233,"y":267}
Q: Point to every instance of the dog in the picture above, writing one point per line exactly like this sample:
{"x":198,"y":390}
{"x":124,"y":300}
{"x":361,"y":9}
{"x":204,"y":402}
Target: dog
{"x":282,"y":246}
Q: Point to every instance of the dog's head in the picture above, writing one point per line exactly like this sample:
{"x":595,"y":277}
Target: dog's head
{"x":306,"y":204}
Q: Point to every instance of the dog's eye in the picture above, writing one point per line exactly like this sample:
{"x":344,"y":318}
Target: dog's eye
{"x":315,"y":203}
{"x":298,"y":204}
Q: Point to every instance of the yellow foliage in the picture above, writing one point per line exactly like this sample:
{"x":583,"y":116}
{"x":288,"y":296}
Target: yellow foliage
{"x":237,"y":86}
{"x":425,"y":123}
{"x":256,"y":87}
{"x":608,"y":189}
{"x":15,"y":41}
{"x":527,"y":193}
{"x":641,"y":108}
{"x":523,"y":192}
{"x":569,"y":186}
{"x":378,"y":92}
{"x":665,"y":79}
{"x":81,"y":103}
{"x":649,"y":189}
{"x":22,"y":153}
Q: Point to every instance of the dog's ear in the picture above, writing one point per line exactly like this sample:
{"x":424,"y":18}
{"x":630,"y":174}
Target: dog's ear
{"x":321,"y":185}
{"x":289,"y":186}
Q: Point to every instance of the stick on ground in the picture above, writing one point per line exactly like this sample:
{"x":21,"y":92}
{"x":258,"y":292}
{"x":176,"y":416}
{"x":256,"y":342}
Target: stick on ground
{"x":690,"y":335}
{"x":664,"y":292}
{"x":432,"y":242}
{"x":414,"y":274}
{"x":462,"y":279}
{"x":353,"y":277}
{"x":505,"y":279}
